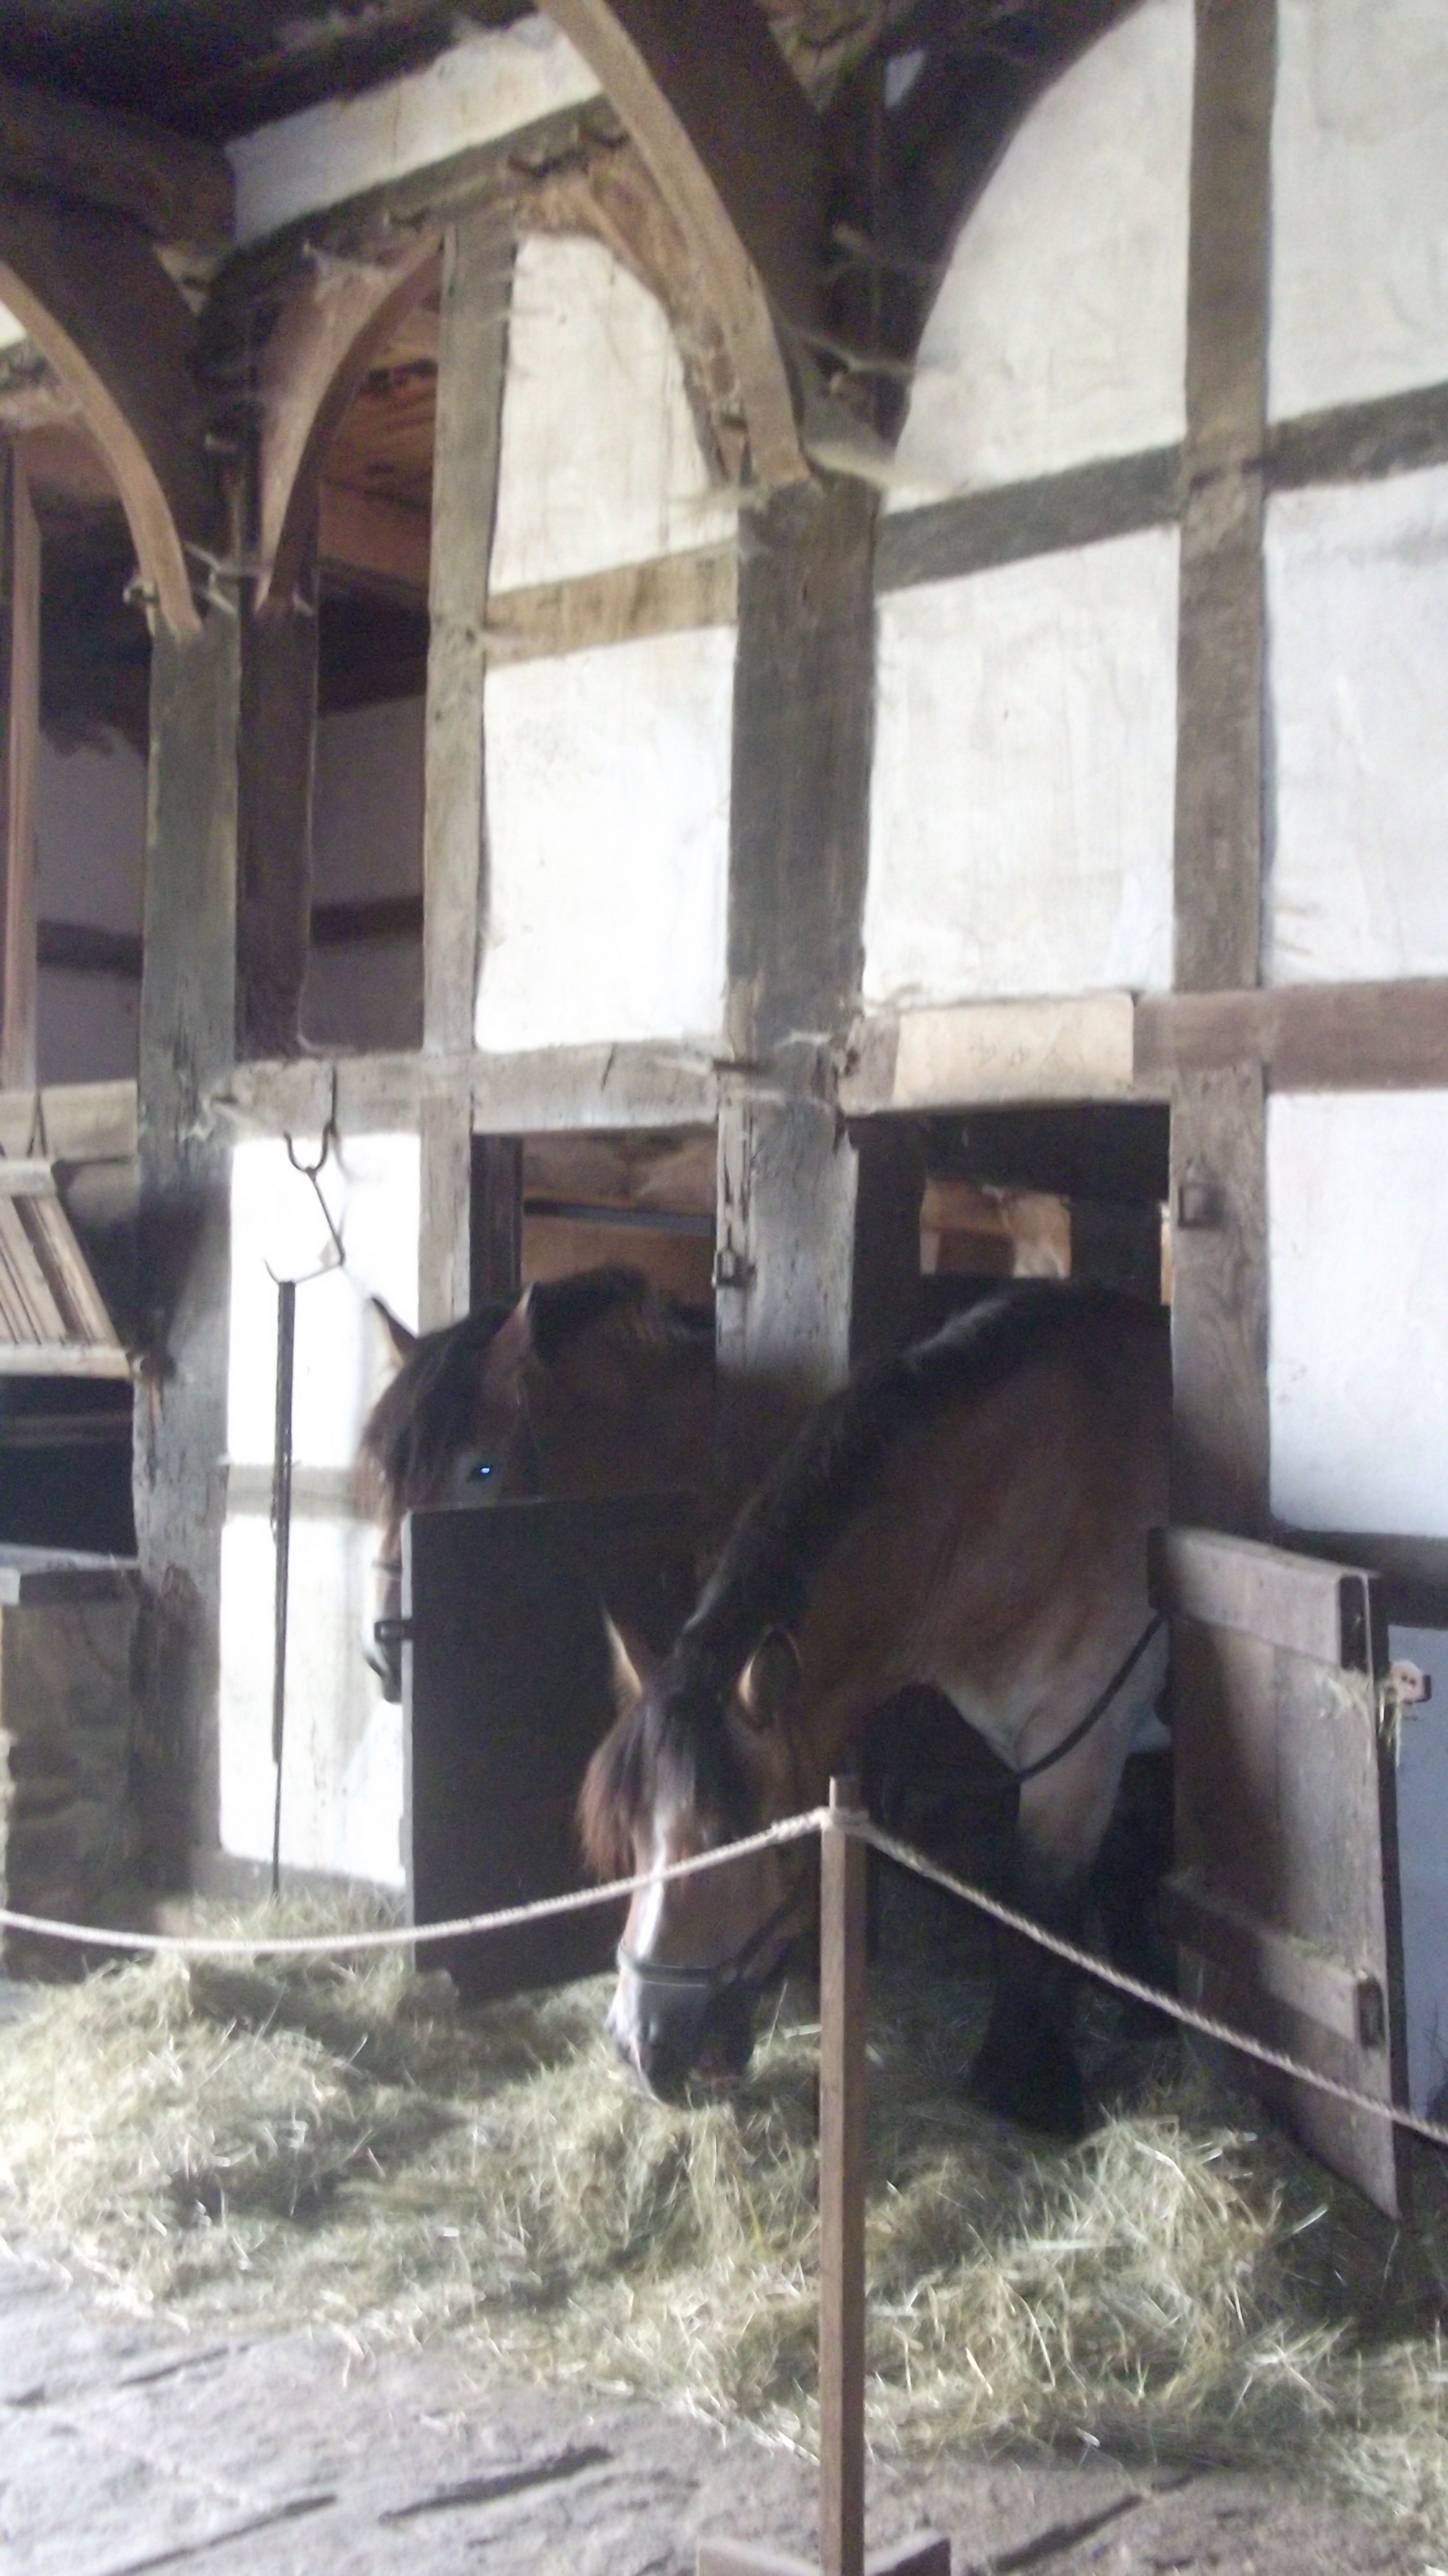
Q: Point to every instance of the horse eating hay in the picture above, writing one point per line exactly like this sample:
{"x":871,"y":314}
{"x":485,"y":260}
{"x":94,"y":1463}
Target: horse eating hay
{"x":971,"y":1517}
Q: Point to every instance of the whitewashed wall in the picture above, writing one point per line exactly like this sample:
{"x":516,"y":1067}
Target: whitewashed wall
{"x":1360,"y":201}
{"x":1021,"y":804}
{"x":1357,"y":588}
{"x":342,"y":1774}
{"x":600,"y":461}
{"x":1059,"y":333}
{"x":1358,"y":1379}
{"x":90,"y":840}
{"x":608,"y":841}
{"x":367,"y":840}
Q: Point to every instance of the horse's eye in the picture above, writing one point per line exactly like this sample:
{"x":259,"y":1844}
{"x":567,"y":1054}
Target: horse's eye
{"x":483,"y":1468}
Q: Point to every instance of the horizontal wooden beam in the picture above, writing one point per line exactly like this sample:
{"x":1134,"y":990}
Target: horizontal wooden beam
{"x":1302,"y":1607}
{"x":513,"y":1095}
{"x":1260,"y":1956}
{"x":1360,"y":442}
{"x":972,"y":1053}
{"x":1311,"y":1037}
{"x":71,"y":1122}
{"x":663,"y":597}
{"x":176,"y":189}
{"x":1048,"y":515}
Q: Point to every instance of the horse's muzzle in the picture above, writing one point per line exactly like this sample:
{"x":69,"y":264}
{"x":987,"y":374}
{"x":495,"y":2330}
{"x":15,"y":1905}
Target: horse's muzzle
{"x":682,"y":2023}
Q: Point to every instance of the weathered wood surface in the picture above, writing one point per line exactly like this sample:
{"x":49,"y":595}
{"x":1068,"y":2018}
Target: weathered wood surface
{"x":1300,"y":1604}
{"x":1360,"y":442}
{"x":974,"y":530}
{"x":844,"y":2008}
{"x":175,"y":188}
{"x":661,"y":597}
{"x":974,"y":1053}
{"x":1220,"y":1447}
{"x":277,"y":750}
{"x":19,"y":747}
{"x":496,"y":1252}
{"x":472,"y":360}
{"x":73,"y":1122}
{"x":187,"y":1024}
{"x":549,"y":1089}
{"x":1311,"y":1037}
{"x":283,"y":2454}
{"x":66,"y":1829}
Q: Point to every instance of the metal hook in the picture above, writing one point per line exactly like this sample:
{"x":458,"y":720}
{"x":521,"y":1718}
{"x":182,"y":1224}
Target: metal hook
{"x":312,"y":1172}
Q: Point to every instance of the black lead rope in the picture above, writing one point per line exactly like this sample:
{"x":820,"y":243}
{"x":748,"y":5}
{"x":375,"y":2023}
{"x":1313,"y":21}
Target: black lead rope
{"x":1097,"y":1709}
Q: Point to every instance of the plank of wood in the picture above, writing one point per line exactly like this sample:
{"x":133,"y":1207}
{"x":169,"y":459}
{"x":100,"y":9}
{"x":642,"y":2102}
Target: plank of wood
{"x":57,"y":1248}
{"x":662,"y":597}
{"x":1218,"y":1216}
{"x":28,"y":1290}
{"x":496,"y":1233}
{"x":472,"y":364}
{"x":175,"y":188}
{"x":75,"y":1122}
{"x":20,"y":699}
{"x":971,"y":1053}
{"x":844,"y":2005}
{"x":278,"y":746}
{"x":1341,"y":1998}
{"x":1049,"y":514}
{"x":1360,"y":442}
{"x":1311,"y":1037}
{"x":1301,"y":1605}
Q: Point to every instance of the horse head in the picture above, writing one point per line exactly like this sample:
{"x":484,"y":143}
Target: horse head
{"x":703,"y":1752}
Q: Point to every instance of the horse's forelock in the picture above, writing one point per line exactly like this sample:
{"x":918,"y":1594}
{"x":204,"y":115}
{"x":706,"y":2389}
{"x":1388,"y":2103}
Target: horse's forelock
{"x":423,"y":1418}
{"x":670,"y":1753}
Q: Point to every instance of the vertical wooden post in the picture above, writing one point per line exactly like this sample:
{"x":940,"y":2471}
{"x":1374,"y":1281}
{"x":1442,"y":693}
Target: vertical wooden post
{"x":187,"y":1026}
{"x":19,"y":744}
{"x":472,"y":359}
{"x":843,"y":2004}
{"x":1218,"y":1199}
{"x":497,"y":1217}
{"x":278,"y":749}
{"x":799,"y":809}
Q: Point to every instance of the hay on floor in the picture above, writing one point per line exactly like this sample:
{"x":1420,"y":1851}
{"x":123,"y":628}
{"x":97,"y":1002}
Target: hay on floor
{"x":339,"y":2144}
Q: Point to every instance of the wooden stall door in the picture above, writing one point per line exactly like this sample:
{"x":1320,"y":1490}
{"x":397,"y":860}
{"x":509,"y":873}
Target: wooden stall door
{"x":1285,"y":1894}
{"x":507,"y":1688}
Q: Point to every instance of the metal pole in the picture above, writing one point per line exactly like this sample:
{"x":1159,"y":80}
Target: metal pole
{"x":281,"y":1521}
{"x":843,"y":1861}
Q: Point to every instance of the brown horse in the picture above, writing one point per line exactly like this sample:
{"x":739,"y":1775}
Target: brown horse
{"x":971,"y":1517}
{"x":593,"y":1384}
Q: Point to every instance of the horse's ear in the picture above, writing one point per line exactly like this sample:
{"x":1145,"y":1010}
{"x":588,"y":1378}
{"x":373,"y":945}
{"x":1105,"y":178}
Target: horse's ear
{"x":511,"y":1344}
{"x":631,"y":1667}
{"x":770,"y":1680}
{"x":403,"y":1342}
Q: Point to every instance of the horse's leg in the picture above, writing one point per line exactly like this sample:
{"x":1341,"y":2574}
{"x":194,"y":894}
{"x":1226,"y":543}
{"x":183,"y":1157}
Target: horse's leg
{"x":1027,"y":2068}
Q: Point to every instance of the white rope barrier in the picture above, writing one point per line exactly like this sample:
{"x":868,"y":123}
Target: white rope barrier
{"x":790,"y":1830}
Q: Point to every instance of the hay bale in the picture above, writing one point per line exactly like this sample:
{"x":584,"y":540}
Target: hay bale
{"x":339,"y":2143}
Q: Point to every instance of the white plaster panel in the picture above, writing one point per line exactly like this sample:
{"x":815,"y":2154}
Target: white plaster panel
{"x":600,"y":461}
{"x":342,"y":1743}
{"x":1357,"y":592}
{"x":1359,"y":295}
{"x":1022,"y":801}
{"x":482,"y":88}
{"x":90,"y":833}
{"x":608,"y":834}
{"x":1059,"y":333}
{"x":1357,"y":1189}
{"x":367,"y":801}
{"x":372,"y":1190}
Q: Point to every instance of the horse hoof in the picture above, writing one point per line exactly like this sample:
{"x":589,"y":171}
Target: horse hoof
{"x":1043,"y":2092}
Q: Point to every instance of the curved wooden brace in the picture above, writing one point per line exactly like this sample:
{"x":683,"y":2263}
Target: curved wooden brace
{"x":336,"y":320}
{"x":93,"y":295}
{"x":735,"y":149}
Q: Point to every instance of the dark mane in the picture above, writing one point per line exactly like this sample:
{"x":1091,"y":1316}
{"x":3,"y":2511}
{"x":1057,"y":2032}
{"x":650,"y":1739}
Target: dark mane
{"x":676,"y":1743}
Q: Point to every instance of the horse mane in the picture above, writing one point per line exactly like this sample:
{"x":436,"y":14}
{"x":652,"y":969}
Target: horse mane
{"x":414,"y":1425}
{"x":674,"y":1742}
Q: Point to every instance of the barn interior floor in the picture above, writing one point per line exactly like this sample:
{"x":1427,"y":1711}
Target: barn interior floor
{"x":126,"y":2446}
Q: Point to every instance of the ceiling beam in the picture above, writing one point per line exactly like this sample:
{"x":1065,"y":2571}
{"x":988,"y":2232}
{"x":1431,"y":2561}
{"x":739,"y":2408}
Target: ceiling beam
{"x":737,"y":152}
{"x":92,"y":294}
{"x":177,"y":190}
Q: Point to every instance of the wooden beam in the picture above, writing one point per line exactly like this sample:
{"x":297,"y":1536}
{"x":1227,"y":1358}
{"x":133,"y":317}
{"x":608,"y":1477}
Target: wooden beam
{"x":1310,"y":1037}
{"x":92,"y":293}
{"x":1360,"y":442}
{"x":277,"y":753}
{"x":1049,"y":515}
{"x":546,"y":1090}
{"x":73,"y":1122}
{"x":336,"y":317}
{"x":497,"y":1218}
{"x":472,"y":363}
{"x":20,"y":713}
{"x":363,"y":538}
{"x":175,"y":188}
{"x":736,"y":151}
{"x":187,"y":1024}
{"x":662,"y":597}
{"x":1220,"y":1466}
{"x":970,"y":1054}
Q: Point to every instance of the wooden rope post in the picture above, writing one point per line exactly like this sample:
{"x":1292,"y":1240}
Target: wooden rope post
{"x":843,"y":2004}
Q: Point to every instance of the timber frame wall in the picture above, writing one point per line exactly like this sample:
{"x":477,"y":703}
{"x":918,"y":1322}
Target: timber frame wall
{"x":227,"y":883}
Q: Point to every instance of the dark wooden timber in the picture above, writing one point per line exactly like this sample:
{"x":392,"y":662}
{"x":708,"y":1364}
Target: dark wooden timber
{"x":175,"y":188}
{"x":278,"y":763}
{"x":472,"y":357}
{"x":1360,"y":442}
{"x":1049,"y":515}
{"x":19,"y":747}
{"x":497,"y":1218}
{"x":1218,"y":1198}
{"x":187,"y":1022}
{"x":1311,"y":1037}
